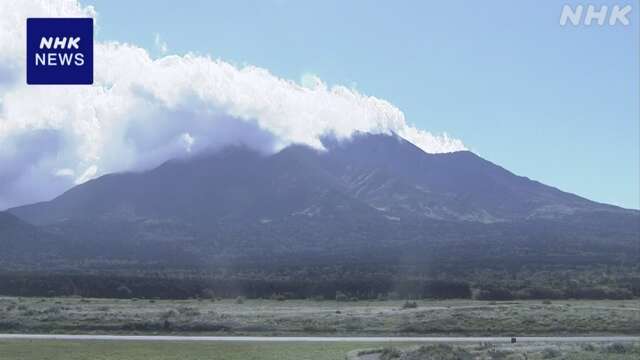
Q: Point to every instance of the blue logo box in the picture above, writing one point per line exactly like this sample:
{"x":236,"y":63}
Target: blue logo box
{"x":59,"y":51}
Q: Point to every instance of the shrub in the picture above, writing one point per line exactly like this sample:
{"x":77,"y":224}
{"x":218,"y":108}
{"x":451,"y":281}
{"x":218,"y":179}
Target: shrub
{"x":617,"y":348}
{"x":188,"y":311}
{"x":550,"y":353}
{"x":444,"y":289}
{"x":53,"y":310}
{"x":515,"y":357}
{"x":124,"y":291}
{"x":495,"y":293}
{"x":394,"y":295}
{"x":410,"y":305}
{"x":29,"y":312}
{"x":168,"y":314}
{"x":599,"y":293}
{"x":208,"y":293}
{"x":619,"y":294}
{"x":443,"y":352}
{"x":540,"y":293}
{"x":340,"y":296}
{"x":390,"y":353}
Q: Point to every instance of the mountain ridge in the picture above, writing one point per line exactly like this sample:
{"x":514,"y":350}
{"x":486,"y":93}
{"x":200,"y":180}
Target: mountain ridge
{"x":370,"y":199}
{"x":455,"y":186}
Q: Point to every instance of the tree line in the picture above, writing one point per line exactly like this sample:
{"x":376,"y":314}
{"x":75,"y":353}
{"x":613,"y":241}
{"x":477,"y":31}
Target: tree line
{"x":161,"y":286}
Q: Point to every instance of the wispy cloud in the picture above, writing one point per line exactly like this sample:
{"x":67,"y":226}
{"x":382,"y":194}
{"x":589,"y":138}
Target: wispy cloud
{"x":160,"y":44}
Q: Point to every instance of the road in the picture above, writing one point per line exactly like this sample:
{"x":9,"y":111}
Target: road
{"x":318,"y":338}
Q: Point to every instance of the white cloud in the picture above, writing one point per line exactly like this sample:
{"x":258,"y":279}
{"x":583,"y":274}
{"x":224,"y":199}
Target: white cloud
{"x":188,"y":141}
{"x":87,"y":175}
{"x":65,"y":172}
{"x":429,"y":142}
{"x":141,"y":112}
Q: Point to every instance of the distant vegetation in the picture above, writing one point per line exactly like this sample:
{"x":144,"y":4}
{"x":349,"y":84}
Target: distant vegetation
{"x":335,"y":283}
{"x":312,"y":317}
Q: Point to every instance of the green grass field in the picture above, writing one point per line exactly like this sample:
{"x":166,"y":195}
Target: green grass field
{"x":135,"y":350}
{"x":146,"y":350}
{"x":486,"y":351}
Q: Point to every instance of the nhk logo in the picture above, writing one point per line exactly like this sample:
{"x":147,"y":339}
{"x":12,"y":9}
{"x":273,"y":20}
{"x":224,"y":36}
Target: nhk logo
{"x":57,"y":58}
{"x":59,"y":51}
{"x":594,"y":15}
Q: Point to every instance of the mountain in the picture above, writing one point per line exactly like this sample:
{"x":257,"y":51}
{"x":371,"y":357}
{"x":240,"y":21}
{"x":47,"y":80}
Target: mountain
{"x":392,"y":174}
{"x":380,"y":175}
{"x":367,"y":198}
{"x":21,"y":242}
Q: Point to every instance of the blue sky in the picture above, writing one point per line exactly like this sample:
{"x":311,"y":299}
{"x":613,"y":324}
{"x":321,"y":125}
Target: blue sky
{"x":557,"y":104}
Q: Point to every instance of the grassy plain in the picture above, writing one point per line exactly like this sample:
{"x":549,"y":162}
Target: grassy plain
{"x":487,"y":351}
{"x":306,"y":317}
{"x":144,"y":350}
{"x":140,"y":350}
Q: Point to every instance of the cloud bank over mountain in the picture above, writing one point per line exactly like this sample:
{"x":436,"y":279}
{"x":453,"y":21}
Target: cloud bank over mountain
{"x":142,"y":111}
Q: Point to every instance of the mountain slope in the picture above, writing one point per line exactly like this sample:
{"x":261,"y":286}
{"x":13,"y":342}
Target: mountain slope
{"x":371,"y":172}
{"x":235,"y":184}
{"x":391,"y":173}
{"x":371,"y":198}
{"x":21,"y":242}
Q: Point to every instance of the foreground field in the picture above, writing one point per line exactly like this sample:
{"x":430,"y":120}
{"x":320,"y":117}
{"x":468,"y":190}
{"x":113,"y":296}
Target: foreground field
{"x":532,"y":351}
{"x":134,"y":350}
{"x":269,"y":317}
